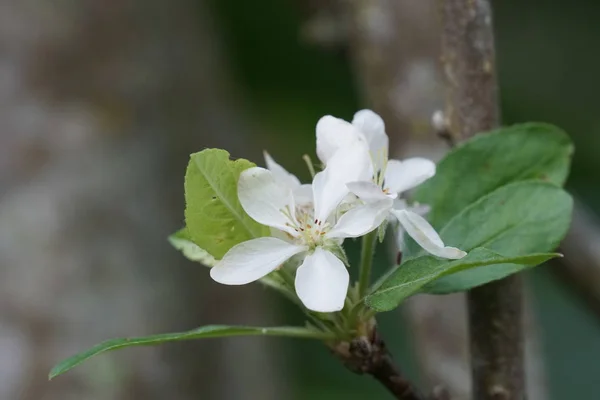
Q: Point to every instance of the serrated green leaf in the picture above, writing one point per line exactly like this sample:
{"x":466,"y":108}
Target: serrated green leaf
{"x":520,"y":218}
{"x":214,"y":217}
{"x":210,"y":331}
{"x":491,"y":160}
{"x":182,"y":242}
{"x":410,"y":277}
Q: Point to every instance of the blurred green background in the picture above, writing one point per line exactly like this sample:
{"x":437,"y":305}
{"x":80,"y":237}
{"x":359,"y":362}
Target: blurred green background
{"x":101,"y":103}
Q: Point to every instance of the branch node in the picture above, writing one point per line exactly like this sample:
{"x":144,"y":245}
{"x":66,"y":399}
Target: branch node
{"x":369,"y":355}
{"x":441,"y":126}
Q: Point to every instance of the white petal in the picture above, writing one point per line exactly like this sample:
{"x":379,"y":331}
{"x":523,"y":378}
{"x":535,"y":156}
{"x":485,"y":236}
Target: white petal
{"x":367,"y":191}
{"x":264,"y":198}
{"x":424,"y":234}
{"x":362,"y":219}
{"x":322,"y":282}
{"x":281,"y":174}
{"x":352,"y":163}
{"x":334,"y":134}
{"x":303,"y":195}
{"x":251,"y":260}
{"x":372,"y":126}
{"x":403,"y":175}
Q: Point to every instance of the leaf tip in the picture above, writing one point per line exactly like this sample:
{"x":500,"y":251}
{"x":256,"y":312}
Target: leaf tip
{"x":54,"y":372}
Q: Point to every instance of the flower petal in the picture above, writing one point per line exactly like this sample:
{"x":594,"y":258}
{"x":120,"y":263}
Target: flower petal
{"x":322,"y":282}
{"x":424,"y":234}
{"x":281,"y":174}
{"x":373,"y":127}
{"x":264,"y":198}
{"x":352,"y":163}
{"x":251,"y":260}
{"x":403,"y":175}
{"x":334,"y":134}
{"x":303,"y":195}
{"x":362,"y":219}
{"x":367,"y":191}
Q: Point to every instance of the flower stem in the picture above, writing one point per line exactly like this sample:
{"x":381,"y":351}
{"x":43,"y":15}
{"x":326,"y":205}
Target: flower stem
{"x":366,"y":262}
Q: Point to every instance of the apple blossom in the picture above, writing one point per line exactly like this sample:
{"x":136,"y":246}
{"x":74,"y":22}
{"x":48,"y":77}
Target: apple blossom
{"x":322,"y":279}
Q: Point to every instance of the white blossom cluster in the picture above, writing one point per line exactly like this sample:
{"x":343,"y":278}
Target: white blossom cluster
{"x":357,"y":191}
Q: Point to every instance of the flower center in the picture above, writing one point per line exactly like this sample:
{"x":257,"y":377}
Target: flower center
{"x":310,"y":231}
{"x":379,"y":180}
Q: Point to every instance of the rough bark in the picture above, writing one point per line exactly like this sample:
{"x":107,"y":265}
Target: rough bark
{"x":495,"y":309}
{"x":100,"y":103}
{"x":468,"y":60}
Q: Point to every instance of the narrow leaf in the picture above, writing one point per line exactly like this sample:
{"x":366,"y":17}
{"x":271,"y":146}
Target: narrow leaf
{"x":214,"y":217}
{"x":210,"y":331}
{"x":408,"y":278}
{"x":182,"y":242}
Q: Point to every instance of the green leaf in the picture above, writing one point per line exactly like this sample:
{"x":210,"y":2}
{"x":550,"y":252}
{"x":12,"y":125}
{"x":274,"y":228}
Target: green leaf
{"x":182,"y":242}
{"x":410,"y":277}
{"x":520,"y":218}
{"x":214,"y":216}
{"x":491,"y":160}
{"x":210,"y":331}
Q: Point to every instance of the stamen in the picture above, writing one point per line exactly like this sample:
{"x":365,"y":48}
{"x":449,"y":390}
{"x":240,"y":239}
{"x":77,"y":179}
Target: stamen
{"x":309,"y":164}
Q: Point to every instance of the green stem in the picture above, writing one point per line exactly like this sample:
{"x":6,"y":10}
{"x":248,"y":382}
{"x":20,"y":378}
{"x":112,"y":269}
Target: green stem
{"x":366,"y":262}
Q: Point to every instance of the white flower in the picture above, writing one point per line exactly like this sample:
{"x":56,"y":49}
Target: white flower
{"x":302,"y":193}
{"x":390,"y":177}
{"x":322,"y":279}
{"x":401,"y":204}
{"x":424,"y":234}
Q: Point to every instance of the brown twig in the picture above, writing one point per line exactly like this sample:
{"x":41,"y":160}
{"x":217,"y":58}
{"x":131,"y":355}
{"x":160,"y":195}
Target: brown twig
{"x":468,"y":60}
{"x":495,"y":309}
{"x":369,"y":355}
